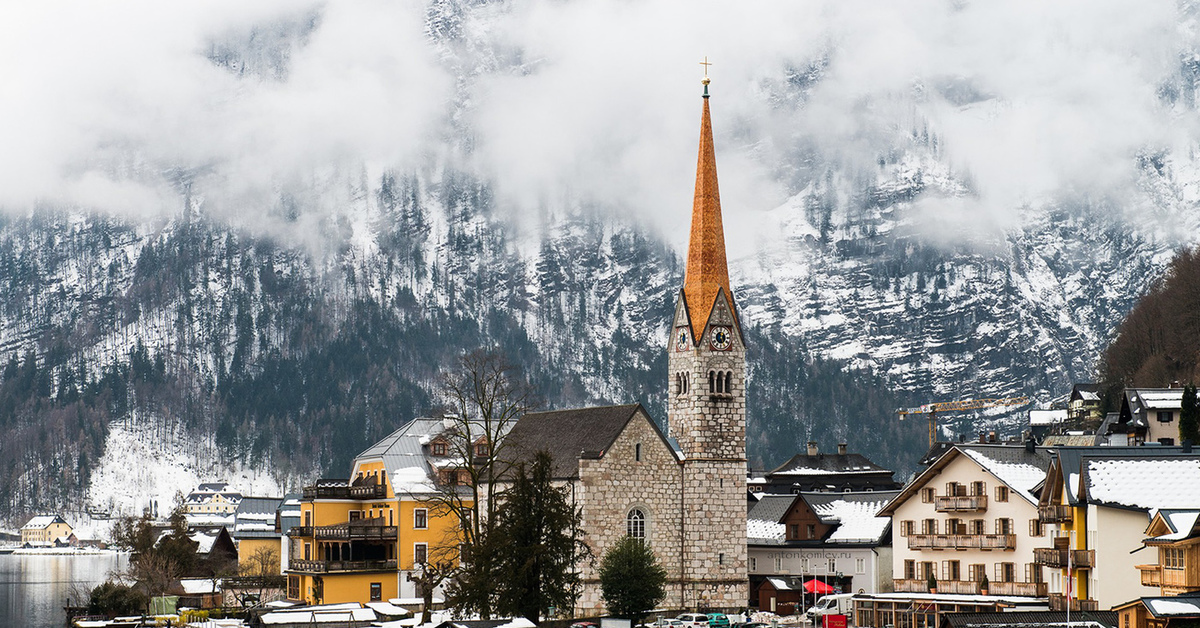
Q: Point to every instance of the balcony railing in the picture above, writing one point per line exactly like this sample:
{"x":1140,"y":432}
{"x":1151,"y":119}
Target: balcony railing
{"x":1056,"y":513}
{"x":971,"y":587}
{"x":332,"y":566}
{"x":961,"y":503}
{"x":1156,"y":576}
{"x":962,"y":541}
{"x":365,"y":491}
{"x":1058,"y":602}
{"x":1054,"y":557}
{"x":359,"y":529}
{"x":1151,"y":575}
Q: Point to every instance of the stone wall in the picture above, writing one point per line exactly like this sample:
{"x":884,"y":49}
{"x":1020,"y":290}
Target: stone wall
{"x":610,"y":487}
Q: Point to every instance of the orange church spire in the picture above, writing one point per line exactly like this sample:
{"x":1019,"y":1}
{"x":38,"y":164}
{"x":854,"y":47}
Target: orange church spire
{"x":707,"y":271}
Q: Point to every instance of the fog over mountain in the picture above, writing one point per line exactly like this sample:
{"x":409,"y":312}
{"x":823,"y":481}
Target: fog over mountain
{"x":209,"y":206}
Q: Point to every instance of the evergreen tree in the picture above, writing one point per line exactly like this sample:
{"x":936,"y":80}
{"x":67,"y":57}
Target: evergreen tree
{"x":1189,"y":415}
{"x":538,"y":526}
{"x":631,"y":580}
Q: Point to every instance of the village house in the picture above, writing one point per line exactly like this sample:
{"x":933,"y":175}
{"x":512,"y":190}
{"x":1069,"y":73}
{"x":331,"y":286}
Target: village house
{"x":1175,"y":535}
{"x":256,"y":532}
{"x":836,"y":539}
{"x":212,"y":499}
{"x":364,"y":539}
{"x":1096,"y":502}
{"x":1147,"y":415}
{"x":46,"y":530}
{"x":971,"y":515}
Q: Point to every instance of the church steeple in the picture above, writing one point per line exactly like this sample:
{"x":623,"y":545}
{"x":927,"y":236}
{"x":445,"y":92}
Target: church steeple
{"x":707,"y":272}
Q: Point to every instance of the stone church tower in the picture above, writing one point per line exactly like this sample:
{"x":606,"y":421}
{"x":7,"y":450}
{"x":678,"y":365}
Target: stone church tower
{"x":707,"y":404}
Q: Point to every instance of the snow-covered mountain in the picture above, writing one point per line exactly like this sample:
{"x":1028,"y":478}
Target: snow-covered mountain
{"x":147,"y":354}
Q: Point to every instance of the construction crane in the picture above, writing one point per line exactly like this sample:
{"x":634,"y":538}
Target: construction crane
{"x":932,"y":410}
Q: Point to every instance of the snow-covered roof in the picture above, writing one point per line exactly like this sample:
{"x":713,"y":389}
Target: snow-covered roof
{"x":1020,"y":475}
{"x":1047,"y":417}
{"x":780,"y":584}
{"x":387,"y":608}
{"x":41,"y":522}
{"x":1173,"y":606}
{"x":199,"y":586}
{"x":315,"y":615}
{"x":764,"y":532}
{"x":856,"y":519}
{"x":1160,"y":398}
{"x":1144,"y":483}
{"x":1180,"y":522}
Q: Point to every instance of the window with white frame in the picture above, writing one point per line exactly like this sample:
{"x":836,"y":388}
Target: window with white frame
{"x":420,"y":553}
{"x":635,"y":524}
{"x":420,"y":518}
{"x":860,"y":565}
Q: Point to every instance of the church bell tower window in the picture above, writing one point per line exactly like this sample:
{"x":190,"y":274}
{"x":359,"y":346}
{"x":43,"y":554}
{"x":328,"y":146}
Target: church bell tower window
{"x":635,"y":524}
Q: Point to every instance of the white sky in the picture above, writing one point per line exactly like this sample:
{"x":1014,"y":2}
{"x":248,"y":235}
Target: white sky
{"x":585,"y":100}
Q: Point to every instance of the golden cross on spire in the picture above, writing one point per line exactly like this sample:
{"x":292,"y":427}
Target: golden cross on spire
{"x":705,"y":63}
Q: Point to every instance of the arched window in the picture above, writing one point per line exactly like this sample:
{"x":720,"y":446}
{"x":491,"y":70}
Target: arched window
{"x":728,"y":381}
{"x":685,"y":383}
{"x":635,"y":524}
{"x":678,"y":384}
{"x":712,"y":381}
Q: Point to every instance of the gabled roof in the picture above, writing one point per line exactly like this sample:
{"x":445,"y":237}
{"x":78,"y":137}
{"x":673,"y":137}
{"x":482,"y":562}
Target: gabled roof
{"x":1014,"y":465}
{"x":1085,"y":392}
{"x":41,"y":522}
{"x":1170,"y":526}
{"x":1180,"y":606}
{"x":764,"y":522}
{"x":854,"y":514}
{"x":569,"y":435}
{"x":404,"y":455}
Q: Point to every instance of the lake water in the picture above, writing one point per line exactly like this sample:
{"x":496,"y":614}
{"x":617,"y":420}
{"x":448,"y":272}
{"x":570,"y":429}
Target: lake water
{"x":34,"y":588}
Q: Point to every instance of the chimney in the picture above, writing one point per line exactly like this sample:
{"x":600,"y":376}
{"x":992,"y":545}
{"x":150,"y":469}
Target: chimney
{"x":991,"y":437}
{"x":1030,"y":445}
{"x":982,"y":438}
{"x":812,"y":447}
{"x":1174,"y":384}
{"x":841,"y":449}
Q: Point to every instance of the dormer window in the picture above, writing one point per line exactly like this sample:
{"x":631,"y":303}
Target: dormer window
{"x":481,"y":450}
{"x":439,"y":448}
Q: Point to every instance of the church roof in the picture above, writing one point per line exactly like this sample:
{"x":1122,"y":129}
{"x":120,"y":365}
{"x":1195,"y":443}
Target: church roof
{"x":569,"y":435}
{"x":707,"y":271}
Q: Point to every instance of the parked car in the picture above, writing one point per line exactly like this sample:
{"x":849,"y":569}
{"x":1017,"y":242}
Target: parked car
{"x":693,"y":620}
{"x":584,"y":624}
{"x":718,"y":620}
{"x":662,"y":622}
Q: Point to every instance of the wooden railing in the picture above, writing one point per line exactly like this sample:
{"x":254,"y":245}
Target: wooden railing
{"x":1054,"y":557}
{"x":365,"y":491}
{"x":362,"y":529}
{"x":1151,"y":575}
{"x":971,"y":587}
{"x":1058,"y":602}
{"x":961,"y":503}
{"x":1056,"y":513}
{"x":963,"y":541}
{"x":1157,"y":576}
{"x":329,"y":566}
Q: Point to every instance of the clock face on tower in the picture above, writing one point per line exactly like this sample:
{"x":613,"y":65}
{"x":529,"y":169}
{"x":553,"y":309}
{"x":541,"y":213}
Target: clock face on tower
{"x":681,"y":339}
{"x":721,"y":338}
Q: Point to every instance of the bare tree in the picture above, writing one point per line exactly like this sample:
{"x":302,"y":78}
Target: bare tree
{"x":485,"y":397}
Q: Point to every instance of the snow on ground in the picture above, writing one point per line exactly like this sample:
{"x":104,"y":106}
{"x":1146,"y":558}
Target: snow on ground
{"x":141,"y":464}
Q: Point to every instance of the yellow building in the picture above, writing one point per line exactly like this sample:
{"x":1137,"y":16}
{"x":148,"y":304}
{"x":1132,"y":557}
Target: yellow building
{"x":362,"y":539}
{"x":212,"y":498}
{"x":44,"y":530}
{"x":257,"y":532}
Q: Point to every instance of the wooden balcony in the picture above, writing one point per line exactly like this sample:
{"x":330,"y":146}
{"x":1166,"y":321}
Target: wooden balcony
{"x":1172,"y":581}
{"x":962,"y":541}
{"x":1151,"y":575}
{"x":358,"y":530}
{"x":1055,"y":557}
{"x":1056,"y":513}
{"x":961,"y":503}
{"x":341,"y":566}
{"x":971,"y":587}
{"x":1058,"y":602}
{"x":345,"y":491}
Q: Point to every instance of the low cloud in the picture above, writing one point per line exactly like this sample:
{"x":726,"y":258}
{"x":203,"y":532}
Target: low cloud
{"x":592,"y":101}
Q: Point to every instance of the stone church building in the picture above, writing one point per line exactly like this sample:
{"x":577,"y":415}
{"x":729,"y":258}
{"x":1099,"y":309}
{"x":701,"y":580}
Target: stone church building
{"x":683,"y":491}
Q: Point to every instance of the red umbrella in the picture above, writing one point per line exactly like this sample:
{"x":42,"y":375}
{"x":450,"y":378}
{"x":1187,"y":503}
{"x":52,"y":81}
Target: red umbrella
{"x":816,"y":586}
